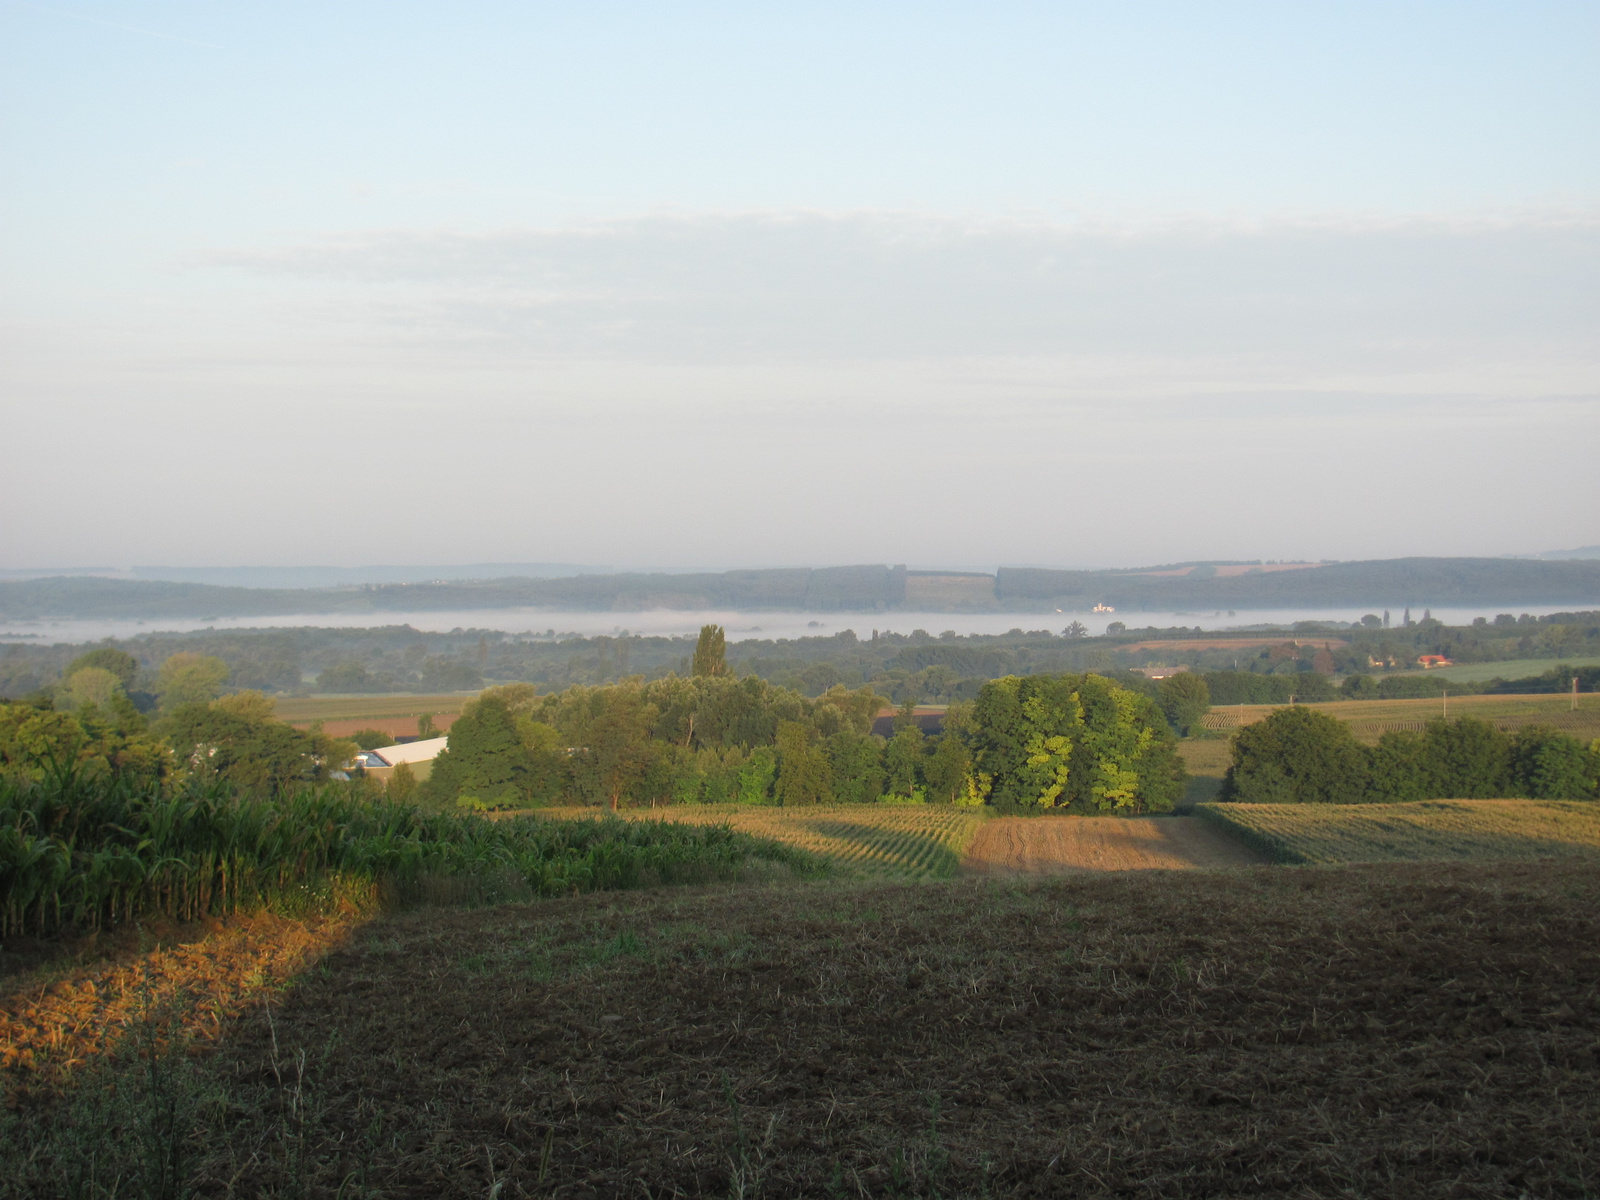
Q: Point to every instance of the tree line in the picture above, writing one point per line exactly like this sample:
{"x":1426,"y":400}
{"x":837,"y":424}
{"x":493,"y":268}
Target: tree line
{"x":1071,"y":741}
{"x":1302,"y":756}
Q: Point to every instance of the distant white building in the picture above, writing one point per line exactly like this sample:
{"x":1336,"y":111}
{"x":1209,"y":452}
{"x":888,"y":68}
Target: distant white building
{"x":419,"y":756}
{"x":1161,"y":672}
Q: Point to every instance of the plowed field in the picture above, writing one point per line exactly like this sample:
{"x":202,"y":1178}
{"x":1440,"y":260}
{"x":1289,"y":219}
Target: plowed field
{"x":1052,"y":845}
{"x":1390,"y":1032}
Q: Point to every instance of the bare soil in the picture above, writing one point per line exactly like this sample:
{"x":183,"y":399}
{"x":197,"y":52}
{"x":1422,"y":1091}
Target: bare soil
{"x":1411,"y":1031}
{"x":1056,"y":845}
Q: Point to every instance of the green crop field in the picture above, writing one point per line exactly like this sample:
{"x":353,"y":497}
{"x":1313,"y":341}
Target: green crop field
{"x":913,"y":841}
{"x":1425,"y":830}
{"x":1371,"y":719}
{"x":1517,"y":668}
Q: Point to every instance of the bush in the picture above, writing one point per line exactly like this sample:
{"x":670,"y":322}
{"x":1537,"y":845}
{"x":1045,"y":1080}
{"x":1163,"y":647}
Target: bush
{"x":1296,"y":756}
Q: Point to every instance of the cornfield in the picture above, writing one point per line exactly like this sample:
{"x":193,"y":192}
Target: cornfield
{"x":1424,"y":830}
{"x":880,"y":840}
{"x":87,"y":853}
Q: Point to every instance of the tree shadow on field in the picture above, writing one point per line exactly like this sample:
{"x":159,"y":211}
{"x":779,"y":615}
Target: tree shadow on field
{"x":906,"y":850}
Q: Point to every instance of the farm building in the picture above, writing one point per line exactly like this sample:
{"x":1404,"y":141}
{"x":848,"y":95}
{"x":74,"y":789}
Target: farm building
{"x":419,"y":756}
{"x":1161,"y":672}
{"x":1428,"y":661}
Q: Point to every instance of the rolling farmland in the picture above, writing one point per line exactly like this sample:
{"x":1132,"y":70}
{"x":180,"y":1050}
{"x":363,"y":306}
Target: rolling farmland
{"x":1371,"y":719}
{"x":870,"y":840}
{"x":1515,"y":668}
{"x":1421,"y":831}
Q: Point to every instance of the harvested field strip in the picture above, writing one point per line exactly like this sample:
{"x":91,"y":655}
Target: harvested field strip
{"x":875,"y":840}
{"x":1185,"y":1034}
{"x":1425,"y":830}
{"x":1059,"y":845}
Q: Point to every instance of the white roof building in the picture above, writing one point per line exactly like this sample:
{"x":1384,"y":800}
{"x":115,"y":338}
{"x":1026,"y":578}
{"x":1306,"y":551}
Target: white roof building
{"x":408,"y":752}
{"x":419,"y":756}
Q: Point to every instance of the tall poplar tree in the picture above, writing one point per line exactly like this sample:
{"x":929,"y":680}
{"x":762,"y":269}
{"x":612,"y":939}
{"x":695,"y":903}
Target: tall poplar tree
{"x":711,"y":652}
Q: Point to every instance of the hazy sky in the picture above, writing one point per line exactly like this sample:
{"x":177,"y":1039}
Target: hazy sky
{"x":713,"y":285}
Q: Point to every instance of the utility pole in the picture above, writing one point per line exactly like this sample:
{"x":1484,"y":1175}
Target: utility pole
{"x":1446,"y":704}
{"x":1574,"y":693}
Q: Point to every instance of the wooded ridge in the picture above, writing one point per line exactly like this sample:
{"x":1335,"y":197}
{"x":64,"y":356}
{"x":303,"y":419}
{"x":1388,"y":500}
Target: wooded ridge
{"x":871,"y":588}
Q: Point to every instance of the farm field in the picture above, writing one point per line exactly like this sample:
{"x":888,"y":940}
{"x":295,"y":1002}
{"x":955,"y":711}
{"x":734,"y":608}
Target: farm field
{"x":1370,"y":719}
{"x":1060,"y":845}
{"x":1206,"y":760}
{"x":1172,"y":1033}
{"x":892,"y":841}
{"x":1517,"y":668}
{"x":1424,"y":830}
{"x":394,"y":714}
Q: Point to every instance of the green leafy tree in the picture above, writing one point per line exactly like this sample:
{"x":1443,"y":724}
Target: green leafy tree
{"x":1296,"y":756}
{"x":1072,"y":740}
{"x":92,"y":686}
{"x":36,"y":740}
{"x":757,"y":775}
{"x":711,"y":652}
{"x":902,"y":761}
{"x":551,"y":774}
{"x":948,"y":769}
{"x":1467,"y":759}
{"x":350,"y":676}
{"x":802,"y":767}
{"x":371,"y":739}
{"x":187,"y":678}
{"x":1548,"y":765}
{"x":1398,"y":768}
{"x":483,"y":763}
{"x":240,"y":740}
{"x":108,"y":658}
{"x":1185,"y":699}
{"x":855,"y":763}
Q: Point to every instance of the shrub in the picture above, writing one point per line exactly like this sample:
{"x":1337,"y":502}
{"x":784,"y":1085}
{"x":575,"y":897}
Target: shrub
{"x":1296,"y":755}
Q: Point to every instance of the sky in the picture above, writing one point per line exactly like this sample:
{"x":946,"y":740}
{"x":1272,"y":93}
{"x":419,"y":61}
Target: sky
{"x":716,"y":285}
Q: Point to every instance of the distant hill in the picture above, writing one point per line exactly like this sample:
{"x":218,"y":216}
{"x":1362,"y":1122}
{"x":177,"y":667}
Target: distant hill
{"x":1580,"y":552}
{"x":1392,"y":583}
{"x":318,"y":577}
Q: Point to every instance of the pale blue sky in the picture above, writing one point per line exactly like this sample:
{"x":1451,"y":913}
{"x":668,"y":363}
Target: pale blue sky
{"x":682,"y":284}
